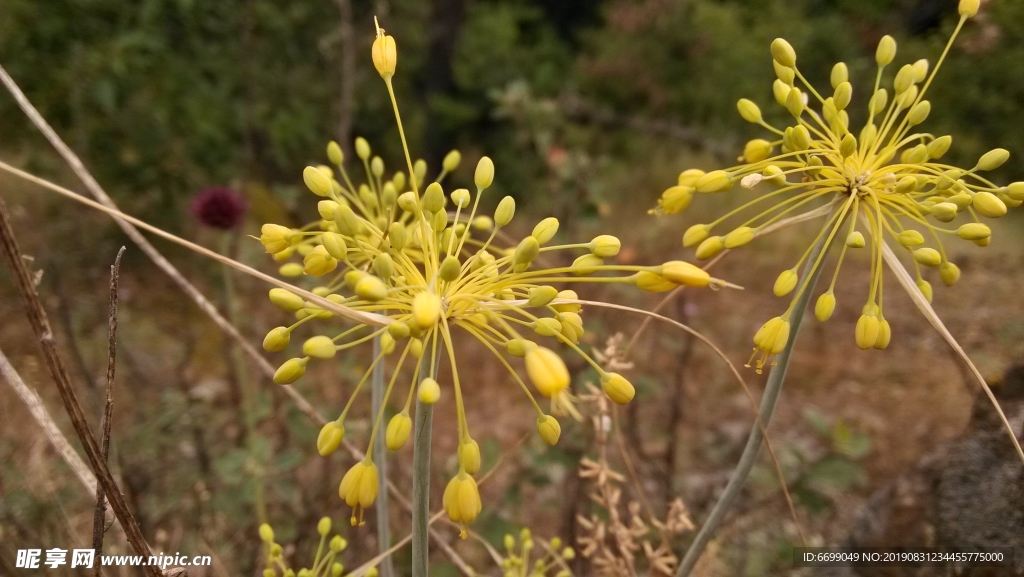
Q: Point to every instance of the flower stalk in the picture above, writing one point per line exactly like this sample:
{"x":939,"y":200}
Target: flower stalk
{"x":386,"y":566}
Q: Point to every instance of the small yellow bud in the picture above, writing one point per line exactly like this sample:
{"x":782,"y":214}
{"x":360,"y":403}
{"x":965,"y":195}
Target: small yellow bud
{"x":684,"y":273}
{"x":801,"y":138}
{"x":911,"y":238}
{"x":848,"y":145}
{"x":919,"y":113}
{"x":549,"y":429}
{"x":505,"y":211}
{"x":525,"y":252}
{"x":416,"y":348}
{"x":317,"y":182}
{"x":334,"y":244}
{"x":780,"y":90}
{"x":568,"y":294}
{"x":542,"y":295}
{"x":714,"y":181}
{"x":461,"y":499}
{"x":426,"y":309}
{"x":689,"y":177}
{"x":749,"y":111}
{"x":906,"y":185}
{"x":323,"y":526}
{"x":275,"y":238}
{"x":825,"y":306}
{"x":755,"y":151}
{"x":949,"y":273}
{"x":519,"y":347}
{"x":385,"y":55}
{"x":993,"y":159}
{"x":266,"y":533}
{"x":450,"y":268}
{"x":886,"y":51}
{"x":334,"y":153}
{"x":433,"y":198}
{"x":398,"y":430}
{"x":605,"y":246}
{"x":326,"y":209}
{"x":545,"y":229}
{"x":840,"y":74}
{"x":371,"y":288}
{"x":843,"y":95}
{"x":855,"y":239}
{"x":377,"y":167}
{"x":291,"y":371}
{"x":277,"y":340}
{"x":330,"y":438}
{"x":925,"y":288}
{"x":938,"y":147}
{"x":795,"y":102}
{"x":469,"y":456}
{"x":878,"y":101}
{"x":547,"y":327}
{"x":337,"y":544}
{"x":974,"y":231}
{"x":285,"y":299}
{"x":927,"y":256}
{"x":547,"y":371}
{"x":586,"y":264}
{"x":944,"y":211}
{"x":695,"y":235}
{"x":884,"y":335}
{"x":451,"y":161}
{"x":484,"y":175}
{"x":968,"y":8}
{"x":652,"y":282}
{"x":618,"y":389}
{"x":710,"y":248}
{"x":866,"y":332}
{"x":407,"y":201}
{"x":318,"y":262}
{"x":429,"y":391}
{"x":988,"y":204}
{"x":461,"y":197}
{"x":482,"y":222}
{"x":783,"y":52}
{"x":319,"y":347}
{"x":785,"y":283}
{"x":738,"y":237}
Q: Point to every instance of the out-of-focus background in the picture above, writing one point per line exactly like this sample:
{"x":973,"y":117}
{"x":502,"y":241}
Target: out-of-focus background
{"x":589,"y":109}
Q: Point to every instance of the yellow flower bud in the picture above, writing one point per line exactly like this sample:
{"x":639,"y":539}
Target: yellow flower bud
{"x":505,"y":211}
{"x":549,"y":429}
{"x":323,"y":526}
{"x":785,"y":283}
{"x":398,"y":430}
{"x":291,"y":371}
{"x":326,"y":209}
{"x":451,"y":161}
{"x":482,"y":222}
{"x":317,"y":181}
{"x":385,"y":55}
{"x":618,"y":389}
{"x":605,"y":246}
{"x":542,"y":295}
{"x":334,"y":244}
{"x":927,"y":256}
{"x":695,"y":235}
{"x":461,"y":500}
{"x":429,"y":391}
{"x":277,"y":340}
{"x":371,"y":288}
{"x":525,"y":252}
{"x":689,"y":177}
{"x":866,"y":332}
{"x":285,"y":299}
{"x":949,"y":273}
{"x":825,"y":306}
{"x":974,"y":231}
{"x":878,"y":101}
{"x":568,"y":294}
{"x":545,"y":229}
{"x":910,"y":238}
{"x":652,"y":282}
{"x":334,"y":153}
{"x":738,"y":237}
{"x":840,"y":74}
{"x":330,"y":438}
{"x":469,"y":456}
{"x":519,"y":347}
{"x":275,"y":238}
{"x":886,"y":51}
{"x":337,"y":544}
{"x":755,"y":151}
{"x":843,"y":95}
{"x":968,"y":8}
{"x":944,"y":211}
{"x":450,"y":269}
{"x":919,"y":113}
{"x":461,"y":197}
{"x":586,"y":264}
{"x":433,"y":198}
{"x":926,"y":289}
{"x":416,"y":348}
{"x":906,"y":185}
{"x":684,"y":273}
{"x":783,"y":52}
{"x":848,"y":145}
{"x":406,"y":201}
{"x":938,"y":147}
{"x":426,"y":309}
{"x":266,"y":533}
{"x":988,"y":204}
{"x":780,"y":90}
{"x":547,"y":327}
{"x":855,"y":239}
{"x":318,"y":262}
{"x":748,"y":110}
{"x":884,"y":335}
{"x":319,"y":347}
{"x":795,"y":102}
{"x":801,"y":138}
{"x":547,"y":371}
{"x":359,"y":486}
{"x":714,"y":181}
{"x":484,"y":175}
{"x":710,"y":248}
{"x":993,"y":159}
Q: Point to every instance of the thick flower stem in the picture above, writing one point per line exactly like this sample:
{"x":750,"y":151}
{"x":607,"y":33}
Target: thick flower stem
{"x":386,"y":567}
{"x":421,"y":486}
{"x":776,"y":376}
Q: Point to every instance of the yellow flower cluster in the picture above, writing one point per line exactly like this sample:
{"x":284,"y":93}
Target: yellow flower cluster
{"x":324,"y":563}
{"x":552,"y":560}
{"x":885,"y":181}
{"x":422,"y":261}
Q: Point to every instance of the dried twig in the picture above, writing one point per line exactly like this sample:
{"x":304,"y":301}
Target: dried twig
{"x":108,"y":407}
{"x":41,"y":326}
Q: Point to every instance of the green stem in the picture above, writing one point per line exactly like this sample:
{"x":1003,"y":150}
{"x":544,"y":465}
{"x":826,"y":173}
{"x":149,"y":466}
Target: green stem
{"x":386,"y":567}
{"x":421,"y":486}
{"x":776,"y":376}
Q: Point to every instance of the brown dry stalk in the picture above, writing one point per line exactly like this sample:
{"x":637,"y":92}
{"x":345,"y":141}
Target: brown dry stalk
{"x":41,"y":326}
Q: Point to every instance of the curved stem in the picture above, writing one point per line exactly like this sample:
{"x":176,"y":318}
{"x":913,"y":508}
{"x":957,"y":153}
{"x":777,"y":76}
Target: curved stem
{"x":386,"y":567}
{"x":771,"y":395}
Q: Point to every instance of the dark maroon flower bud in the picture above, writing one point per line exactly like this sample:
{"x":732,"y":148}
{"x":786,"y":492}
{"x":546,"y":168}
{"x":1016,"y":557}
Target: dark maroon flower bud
{"x":219,"y":207}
